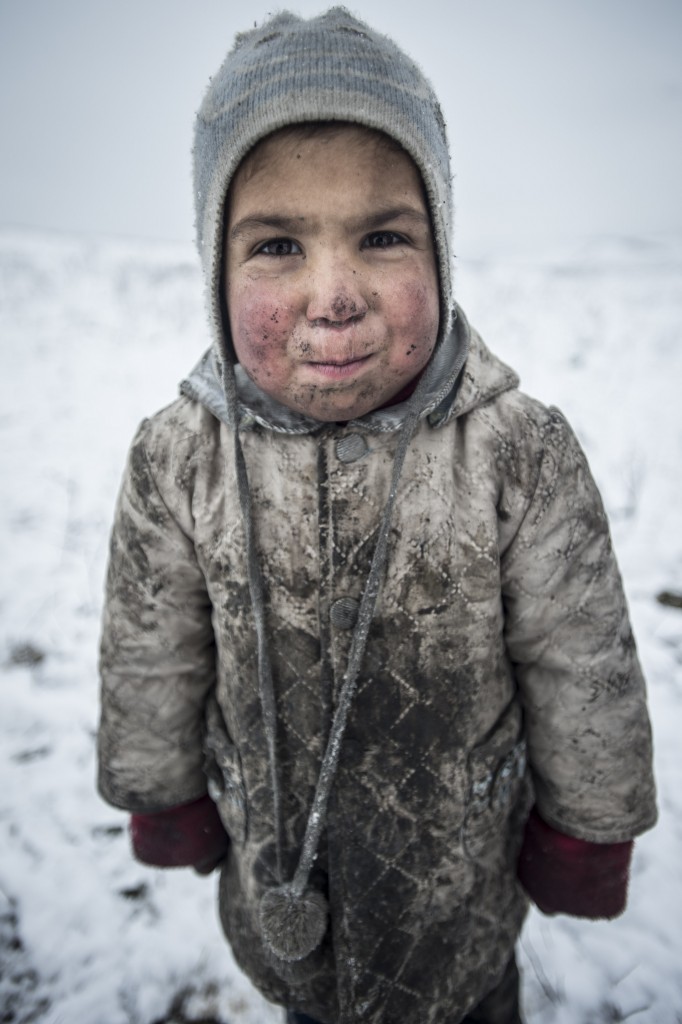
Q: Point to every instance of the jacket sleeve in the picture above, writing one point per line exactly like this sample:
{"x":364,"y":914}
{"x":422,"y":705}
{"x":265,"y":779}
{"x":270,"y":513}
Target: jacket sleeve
{"x":157,"y":660}
{"x":574,"y":656}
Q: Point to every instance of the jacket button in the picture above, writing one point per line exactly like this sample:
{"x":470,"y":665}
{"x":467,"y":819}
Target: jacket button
{"x":344,"y":612}
{"x":351,"y":448}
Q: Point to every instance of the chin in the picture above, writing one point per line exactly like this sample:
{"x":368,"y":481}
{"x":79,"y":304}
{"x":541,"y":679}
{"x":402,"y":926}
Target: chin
{"x":333,"y":409}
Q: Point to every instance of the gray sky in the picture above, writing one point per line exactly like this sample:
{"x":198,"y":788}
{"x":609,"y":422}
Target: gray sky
{"x":564,"y":115}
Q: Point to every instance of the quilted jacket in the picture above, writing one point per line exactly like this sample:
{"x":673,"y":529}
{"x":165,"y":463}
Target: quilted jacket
{"x":500,"y":662}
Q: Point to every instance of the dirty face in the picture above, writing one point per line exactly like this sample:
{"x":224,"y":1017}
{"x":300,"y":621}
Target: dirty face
{"x":331,"y":286}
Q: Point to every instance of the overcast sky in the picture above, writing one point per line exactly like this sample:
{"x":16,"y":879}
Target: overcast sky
{"x":564,"y":115}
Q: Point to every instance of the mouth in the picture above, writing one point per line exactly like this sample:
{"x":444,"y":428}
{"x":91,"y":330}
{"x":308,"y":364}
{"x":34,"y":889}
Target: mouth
{"x":337,"y":325}
{"x":338,"y":369}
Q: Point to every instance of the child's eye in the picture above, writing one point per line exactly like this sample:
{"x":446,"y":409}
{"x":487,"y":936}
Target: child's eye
{"x":280,"y":247}
{"x":383,"y":240}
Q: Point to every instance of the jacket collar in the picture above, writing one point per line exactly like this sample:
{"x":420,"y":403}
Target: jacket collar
{"x":463,"y":374}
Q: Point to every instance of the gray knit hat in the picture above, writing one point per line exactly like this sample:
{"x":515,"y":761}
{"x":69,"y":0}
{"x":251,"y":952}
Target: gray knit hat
{"x":329,"y":68}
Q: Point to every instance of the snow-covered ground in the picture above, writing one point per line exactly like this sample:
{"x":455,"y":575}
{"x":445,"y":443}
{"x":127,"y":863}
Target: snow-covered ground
{"x":94,"y":335}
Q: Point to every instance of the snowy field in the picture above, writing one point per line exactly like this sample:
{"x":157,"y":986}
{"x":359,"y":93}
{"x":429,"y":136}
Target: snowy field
{"x":96,"y":334}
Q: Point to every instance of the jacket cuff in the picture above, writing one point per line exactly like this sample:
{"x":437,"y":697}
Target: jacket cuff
{"x":187,"y":835}
{"x":565,"y":875}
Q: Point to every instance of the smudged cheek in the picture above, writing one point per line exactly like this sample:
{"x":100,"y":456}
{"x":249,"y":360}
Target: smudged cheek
{"x":414,"y":319}
{"x":261,"y":332}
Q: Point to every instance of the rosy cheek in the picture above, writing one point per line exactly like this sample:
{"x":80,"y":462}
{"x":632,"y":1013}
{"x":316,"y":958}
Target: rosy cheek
{"x":418,"y":312}
{"x":260,"y":329}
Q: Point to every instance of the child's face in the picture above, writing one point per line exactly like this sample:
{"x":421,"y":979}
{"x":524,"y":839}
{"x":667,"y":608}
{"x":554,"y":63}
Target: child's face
{"x":332,"y":286}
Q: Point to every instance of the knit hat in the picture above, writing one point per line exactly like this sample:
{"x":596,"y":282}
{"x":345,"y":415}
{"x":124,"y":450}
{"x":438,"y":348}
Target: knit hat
{"x":329,"y":68}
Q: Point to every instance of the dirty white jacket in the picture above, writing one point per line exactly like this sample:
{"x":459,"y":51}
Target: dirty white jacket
{"x":500,"y":660}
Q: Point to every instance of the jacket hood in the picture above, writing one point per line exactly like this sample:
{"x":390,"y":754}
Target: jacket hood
{"x":463,"y":374}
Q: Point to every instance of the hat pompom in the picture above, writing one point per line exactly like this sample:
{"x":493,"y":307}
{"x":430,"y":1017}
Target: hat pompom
{"x":293,"y":923}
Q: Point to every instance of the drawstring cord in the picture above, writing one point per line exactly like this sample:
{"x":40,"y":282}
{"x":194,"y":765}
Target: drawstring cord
{"x":265,"y":685}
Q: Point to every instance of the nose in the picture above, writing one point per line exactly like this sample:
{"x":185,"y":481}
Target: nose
{"x":335,"y":294}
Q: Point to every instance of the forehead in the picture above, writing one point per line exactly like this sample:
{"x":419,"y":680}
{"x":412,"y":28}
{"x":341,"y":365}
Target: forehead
{"x":333,"y":155}
{"x":318,"y":134}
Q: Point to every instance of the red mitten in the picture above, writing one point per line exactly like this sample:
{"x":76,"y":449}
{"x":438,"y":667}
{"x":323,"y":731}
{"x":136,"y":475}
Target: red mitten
{"x":564,"y":875}
{"x":186,"y":835}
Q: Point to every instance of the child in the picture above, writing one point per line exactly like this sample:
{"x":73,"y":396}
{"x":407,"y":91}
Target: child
{"x":361,"y":600}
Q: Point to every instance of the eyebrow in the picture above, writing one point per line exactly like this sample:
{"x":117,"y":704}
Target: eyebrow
{"x":292,"y":225}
